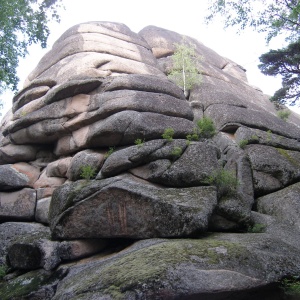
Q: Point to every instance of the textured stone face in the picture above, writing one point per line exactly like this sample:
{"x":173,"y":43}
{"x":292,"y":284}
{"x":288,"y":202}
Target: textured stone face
{"x":121,"y":208}
{"x":85,"y":152}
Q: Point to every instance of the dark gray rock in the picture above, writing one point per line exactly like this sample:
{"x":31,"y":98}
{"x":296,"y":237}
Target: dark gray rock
{"x":19,"y":205}
{"x":34,"y":285}
{"x":134,"y":156}
{"x":280,"y":229}
{"x":14,"y":153}
{"x":10,"y":231}
{"x":123,"y":208}
{"x":34,"y":252}
{"x":76,"y":249}
{"x":237,"y":205}
{"x":256,"y":136}
{"x":229,"y":118}
{"x":11,"y":179}
{"x":84,"y":159}
{"x":281,"y":164}
{"x":105,"y":104}
{"x":220,"y":224}
{"x":42,"y":210}
{"x":283,"y":204}
{"x":220,"y":266}
{"x":236,"y":187}
{"x":123,"y":128}
{"x":265,"y":183}
{"x":193,"y":168}
{"x":17,"y":176}
{"x":217,"y":91}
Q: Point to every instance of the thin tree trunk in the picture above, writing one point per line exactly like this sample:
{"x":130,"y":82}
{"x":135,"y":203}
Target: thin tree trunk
{"x":183,"y":75}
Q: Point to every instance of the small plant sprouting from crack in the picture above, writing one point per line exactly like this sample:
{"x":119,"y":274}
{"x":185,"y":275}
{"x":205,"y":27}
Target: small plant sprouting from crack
{"x":168,"y":134}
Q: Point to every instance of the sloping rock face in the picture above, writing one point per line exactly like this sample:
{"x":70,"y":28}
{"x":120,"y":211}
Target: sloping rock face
{"x":97,"y":202}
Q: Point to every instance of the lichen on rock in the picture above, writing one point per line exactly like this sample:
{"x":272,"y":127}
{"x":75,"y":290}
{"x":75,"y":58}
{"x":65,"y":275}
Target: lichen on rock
{"x":148,"y":219}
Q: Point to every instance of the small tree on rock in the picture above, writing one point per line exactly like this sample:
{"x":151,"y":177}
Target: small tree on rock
{"x":184,"y":71}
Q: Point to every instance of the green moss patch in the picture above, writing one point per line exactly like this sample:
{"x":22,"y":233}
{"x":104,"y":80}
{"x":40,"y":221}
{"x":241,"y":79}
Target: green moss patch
{"x":26,"y":284}
{"x":149,"y":265}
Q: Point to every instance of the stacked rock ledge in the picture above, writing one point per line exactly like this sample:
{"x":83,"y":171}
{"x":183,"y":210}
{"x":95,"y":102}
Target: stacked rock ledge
{"x":96,"y":204}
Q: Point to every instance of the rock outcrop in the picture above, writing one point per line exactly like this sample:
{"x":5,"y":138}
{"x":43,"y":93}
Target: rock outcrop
{"x":96,"y":202}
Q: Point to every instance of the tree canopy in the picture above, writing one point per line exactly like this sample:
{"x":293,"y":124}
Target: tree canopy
{"x":22,"y":23}
{"x":184,"y":70}
{"x":272,"y":17}
{"x":285,"y":62}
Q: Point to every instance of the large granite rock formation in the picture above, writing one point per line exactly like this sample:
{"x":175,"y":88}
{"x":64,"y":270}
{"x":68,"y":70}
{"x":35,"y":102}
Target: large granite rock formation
{"x":96,"y":204}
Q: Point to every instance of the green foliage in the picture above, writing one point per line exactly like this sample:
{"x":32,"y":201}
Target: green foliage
{"x":168,"y":134}
{"x":269,"y":136}
{"x":225,"y":181}
{"x":291,"y":286}
{"x":254,"y":137}
{"x":3,"y":270}
{"x":243,"y":143}
{"x":272,"y":17}
{"x":283,"y":114}
{"x":22,"y":23}
{"x":184,"y":70}
{"x":284,"y":62}
{"x":257,"y":228}
{"x":193,"y":136}
{"x":109,"y":152}
{"x":87,"y":172}
{"x":176,"y":152}
{"x":139,"y":142}
{"x":206,"y":127}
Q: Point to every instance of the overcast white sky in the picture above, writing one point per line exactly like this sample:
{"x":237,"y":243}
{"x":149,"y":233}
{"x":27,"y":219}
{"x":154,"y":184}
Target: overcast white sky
{"x":185,"y":17}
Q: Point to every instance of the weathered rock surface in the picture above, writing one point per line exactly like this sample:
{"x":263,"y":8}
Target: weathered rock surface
{"x":84,"y":159}
{"x":11,"y":231}
{"x":19,"y":205}
{"x":223,"y":265}
{"x":123,"y":208}
{"x":95,"y":201}
{"x":42,"y":210}
{"x":160,"y":162}
{"x":284,"y":204}
{"x":283,"y":165}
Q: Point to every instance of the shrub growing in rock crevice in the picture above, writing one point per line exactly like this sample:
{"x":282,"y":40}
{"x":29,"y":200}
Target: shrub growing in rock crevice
{"x":168,"y":134}
{"x":88,"y":172}
{"x":225,"y":181}
{"x":206,"y":127}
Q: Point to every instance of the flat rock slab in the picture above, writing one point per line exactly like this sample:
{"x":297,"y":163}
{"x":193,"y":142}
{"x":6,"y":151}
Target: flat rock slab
{"x":156,"y":161}
{"x":19,"y":205}
{"x":220,"y":266}
{"x":122,"y":208}
{"x":15,"y":153}
{"x":230,"y":117}
{"x":283,"y":165}
{"x":17,"y":176}
{"x":283,"y":204}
